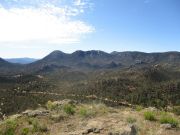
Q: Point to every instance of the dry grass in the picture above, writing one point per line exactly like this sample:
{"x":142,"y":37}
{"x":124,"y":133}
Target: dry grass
{"x":85,"y":115}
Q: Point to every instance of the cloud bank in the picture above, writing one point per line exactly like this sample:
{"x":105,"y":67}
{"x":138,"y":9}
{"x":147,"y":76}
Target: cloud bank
{"x":48,"y":21}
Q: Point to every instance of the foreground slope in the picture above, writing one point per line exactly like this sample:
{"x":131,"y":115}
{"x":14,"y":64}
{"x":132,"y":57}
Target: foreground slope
{"x":67,"y":117}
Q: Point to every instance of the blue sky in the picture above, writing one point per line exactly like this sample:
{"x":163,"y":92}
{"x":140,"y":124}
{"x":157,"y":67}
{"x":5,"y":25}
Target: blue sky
{"x":34,"y":28}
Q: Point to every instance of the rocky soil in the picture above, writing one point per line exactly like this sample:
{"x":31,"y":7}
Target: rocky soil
{"x":68,"y":117}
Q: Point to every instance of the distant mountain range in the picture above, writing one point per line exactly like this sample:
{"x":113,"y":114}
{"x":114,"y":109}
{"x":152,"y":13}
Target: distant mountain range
{"x":21,"y":60}
{"x":89,"y":60}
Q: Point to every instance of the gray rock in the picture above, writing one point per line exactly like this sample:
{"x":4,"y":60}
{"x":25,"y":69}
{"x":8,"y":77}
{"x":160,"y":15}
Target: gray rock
{"x":91,"y":130}
{"x":96,"y":130}
{"x":153,"y":109}
{"x":166,"y":126}
{"x":64,"y":102}
{"x":129,"y":130}
{"x":34,"y":113}
{"x":134,"y":130}
{"x":15,"y":116}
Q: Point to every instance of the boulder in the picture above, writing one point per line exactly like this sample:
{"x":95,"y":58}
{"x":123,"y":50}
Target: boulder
{"x":91,"y":130}
{"x":166,"y":126}
{"x":64,"y":102}
{"x":34,"y":113}
{"x":15,"y":116}
{"x":153,"y":109}
{"x":129,"y":130}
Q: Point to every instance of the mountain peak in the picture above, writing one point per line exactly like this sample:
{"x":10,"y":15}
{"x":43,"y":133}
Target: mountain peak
{"x":56,"y":52}
{"x":55,"y":55}
{"x":79,"y":53}
{"x":91,"y":53}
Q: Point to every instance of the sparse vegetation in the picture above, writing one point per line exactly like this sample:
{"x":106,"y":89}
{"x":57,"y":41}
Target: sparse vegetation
{"x":37,"y":127}
{"x":86,"y":111}
{"x":25,"y":131}
{"x":10,"y":127}
{"x":83,"y":112}
{"x":100,"y":108}
{"x":66,"y":120}
{"x":50,"y":105}
{"x":131,"y":120}
{"x":138,"y":108}
{"x":69,"y":109}
{"x":167,"y":119}
{"x":149,"y":115}
{"x":176,"y":110}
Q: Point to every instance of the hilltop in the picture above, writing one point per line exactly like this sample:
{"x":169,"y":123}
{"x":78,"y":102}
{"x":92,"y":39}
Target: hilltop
{"x":68,"y":117}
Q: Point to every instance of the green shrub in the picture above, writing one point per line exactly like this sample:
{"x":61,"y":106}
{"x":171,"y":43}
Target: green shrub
{"x":83,"y":112}
{"x":149,"y":115}
{"x":176,"y":110}
{"x":69,"y":109}
{"x":10,"y":127}
{"x":35,"y":124}
{"x":101,"y":108}
{"x":37,"y":127}
{"x":43,"y":128}
{"x":138,"y":108}
{"x":31,"y":121}
{"x":9,"y":131}
{"x":86,"y":111}
{"x":50,"y":105}
{"x":25,"y":131}
{"x":131,"y":120}
{"x":167,"y":119}
{"x":58,"y":117}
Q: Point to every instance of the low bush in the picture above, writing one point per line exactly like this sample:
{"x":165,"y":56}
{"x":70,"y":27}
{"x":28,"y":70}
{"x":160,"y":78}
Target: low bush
{"x":131,"y":120}
{"x":167,"y":119}
{"x":176,"y":110}
{"x":149,"y":115}
{"x":25,"y":131}
{"x":86,"y":111}
{"x":69,"y":109}
{"x":37,"y":127}
{"x":50,"y":105}
{"x":138,"y":108}
{"x":83,"y":112}
{"x":102,"y":108}
{"x":10,"y":127}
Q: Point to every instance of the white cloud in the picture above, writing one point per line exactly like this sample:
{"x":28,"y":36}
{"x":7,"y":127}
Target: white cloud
{"x":79,"y":3}
{"x":47,"y":23}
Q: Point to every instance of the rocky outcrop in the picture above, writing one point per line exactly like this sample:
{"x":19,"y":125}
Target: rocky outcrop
{"x":64,"y":102}
{"x":166,"y":126}
{"x":34,"y":113}
{"x":91,"y":130}
{"x":129,"y":130}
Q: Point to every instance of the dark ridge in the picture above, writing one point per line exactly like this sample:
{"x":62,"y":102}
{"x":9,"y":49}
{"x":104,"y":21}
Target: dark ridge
{"x":94,"y":60}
